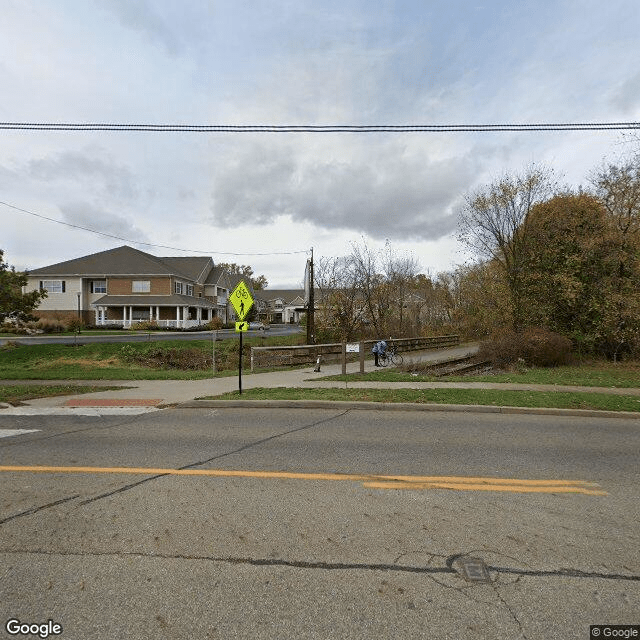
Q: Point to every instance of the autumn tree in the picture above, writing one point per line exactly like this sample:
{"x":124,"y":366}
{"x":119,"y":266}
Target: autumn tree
{"x":493,"y":224}
{"x":618,"y":188}
{"x":12,"y":301}
{"x":257,"y":282}
{"x":574,"y":282}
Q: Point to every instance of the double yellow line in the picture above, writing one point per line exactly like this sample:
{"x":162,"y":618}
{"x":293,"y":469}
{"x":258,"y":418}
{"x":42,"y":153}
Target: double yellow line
{"x":372,"y":481}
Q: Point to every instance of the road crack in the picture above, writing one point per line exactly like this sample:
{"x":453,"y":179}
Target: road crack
{"x":200,"y":463}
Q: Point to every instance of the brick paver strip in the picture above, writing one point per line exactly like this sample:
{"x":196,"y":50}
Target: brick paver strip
{"x":112,"y":402}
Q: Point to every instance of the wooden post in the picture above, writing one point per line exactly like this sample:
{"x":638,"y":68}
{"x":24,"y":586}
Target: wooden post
{"x":344,"y":358}
{"x":361,"y":356}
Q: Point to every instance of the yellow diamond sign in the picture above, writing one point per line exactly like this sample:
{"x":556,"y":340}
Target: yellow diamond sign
{"x":241,"y":300}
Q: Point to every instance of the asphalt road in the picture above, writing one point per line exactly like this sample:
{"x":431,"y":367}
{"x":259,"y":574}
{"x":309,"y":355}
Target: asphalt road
{"x":182,"y":524}
{"x":84,"y":338}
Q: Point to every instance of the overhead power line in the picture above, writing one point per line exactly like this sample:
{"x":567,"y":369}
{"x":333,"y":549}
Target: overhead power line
{"x":150,"y":244}
{"x":313,"y":128}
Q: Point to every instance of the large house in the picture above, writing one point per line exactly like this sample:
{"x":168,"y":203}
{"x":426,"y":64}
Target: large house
{"x":124,"y":286}
{"x":281,"y":305}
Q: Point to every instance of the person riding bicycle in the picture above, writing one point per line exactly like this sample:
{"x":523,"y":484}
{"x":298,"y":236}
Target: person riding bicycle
{"x":379,"y":349}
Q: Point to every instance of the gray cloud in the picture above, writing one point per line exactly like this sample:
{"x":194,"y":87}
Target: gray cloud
{"x":401,"y":198}
{"x":628,"y":96}
{"x":116,"y":181}
{"x":90,"y":216}
{"x":140,"y":16}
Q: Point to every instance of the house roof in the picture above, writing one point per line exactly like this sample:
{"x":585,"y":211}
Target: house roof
{"x":126,"y":261}
{"x":218,"y":276}
{"x":195,"y":268}
{"x":288,"y":295}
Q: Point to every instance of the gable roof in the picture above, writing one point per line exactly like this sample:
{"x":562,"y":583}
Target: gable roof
{"x":288,"y":295}
{"x":196,"y":268}
{"x":125,"y":261}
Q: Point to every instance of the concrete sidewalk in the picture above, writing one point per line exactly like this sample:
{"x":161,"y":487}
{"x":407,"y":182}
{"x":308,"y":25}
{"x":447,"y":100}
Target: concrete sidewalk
{"x":154,"y":393}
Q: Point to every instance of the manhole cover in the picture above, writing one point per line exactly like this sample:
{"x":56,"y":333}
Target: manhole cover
{"x":474,"y":570}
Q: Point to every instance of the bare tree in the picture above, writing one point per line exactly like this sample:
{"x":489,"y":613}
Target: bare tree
{"x":341,"y":300}
{"x":399,"y":273}
{"x":493,"y":224}
{"x":619,"y":190}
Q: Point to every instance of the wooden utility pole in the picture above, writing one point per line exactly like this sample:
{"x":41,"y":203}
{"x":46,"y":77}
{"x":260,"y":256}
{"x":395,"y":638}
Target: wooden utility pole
{"x":311,"y":305}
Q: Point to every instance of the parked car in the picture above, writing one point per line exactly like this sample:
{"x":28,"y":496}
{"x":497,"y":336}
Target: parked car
{"x":260,"y":326}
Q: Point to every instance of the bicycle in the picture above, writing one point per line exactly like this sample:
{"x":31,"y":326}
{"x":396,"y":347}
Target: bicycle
{"x":391,"y":356}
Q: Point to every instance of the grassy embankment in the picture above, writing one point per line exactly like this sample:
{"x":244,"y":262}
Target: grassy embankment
{"x":192,"y":360}
{"x":502,"y":398}
{"x":16,"y":393}
{"x":588,"y":374}
{"x":166,"y":360}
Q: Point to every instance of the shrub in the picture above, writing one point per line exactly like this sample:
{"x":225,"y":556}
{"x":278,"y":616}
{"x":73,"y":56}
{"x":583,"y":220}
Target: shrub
{"x":75,"y":325}
{"x":158,"y":357}
{"x":147,"y":325}
{"x":51,"y":326}
{"x":215,"y":324}
{"x":536,"y":346}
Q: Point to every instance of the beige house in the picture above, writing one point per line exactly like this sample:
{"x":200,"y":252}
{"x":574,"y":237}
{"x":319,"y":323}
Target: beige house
{"x":124,"y":286}
{"x":282,"y":305}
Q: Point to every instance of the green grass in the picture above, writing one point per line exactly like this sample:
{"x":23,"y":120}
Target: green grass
{"x":553,"y":399}
{"x":14,"y":394}
{"x":592,"y":374}
{"x":104,"y":361}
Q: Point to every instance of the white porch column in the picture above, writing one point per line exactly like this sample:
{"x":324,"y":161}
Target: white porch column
{"x":150,"y":313}
{"x":177,"y":317}
{"x":199,"y":315}
{"x":185,"y":316}
{"x":158,"y":314}
{"x":124,"y":316}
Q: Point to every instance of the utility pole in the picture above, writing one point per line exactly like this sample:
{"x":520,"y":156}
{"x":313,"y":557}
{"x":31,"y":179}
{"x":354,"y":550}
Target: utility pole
{"x":311,"y":305}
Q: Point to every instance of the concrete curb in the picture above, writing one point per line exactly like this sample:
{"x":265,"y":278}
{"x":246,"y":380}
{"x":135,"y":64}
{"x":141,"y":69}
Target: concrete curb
{"x":401,"y":406}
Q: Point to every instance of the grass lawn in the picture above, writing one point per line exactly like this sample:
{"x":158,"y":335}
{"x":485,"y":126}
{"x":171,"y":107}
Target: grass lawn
{"x":128,"y":361}
{"x":559,"y":400}
{"x":589,"y":374}
{"x":14,"y":394}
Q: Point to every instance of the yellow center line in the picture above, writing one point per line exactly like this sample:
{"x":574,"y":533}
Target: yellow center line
{"x":369,"y":480}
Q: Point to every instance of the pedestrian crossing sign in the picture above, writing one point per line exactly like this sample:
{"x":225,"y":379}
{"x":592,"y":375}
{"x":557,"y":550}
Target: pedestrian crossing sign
{"x":242,"y":326}
{"x":241,"y":300}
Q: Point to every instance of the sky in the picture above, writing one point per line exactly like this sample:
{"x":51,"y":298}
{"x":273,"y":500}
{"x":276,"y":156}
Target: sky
{"x":297,"y":62}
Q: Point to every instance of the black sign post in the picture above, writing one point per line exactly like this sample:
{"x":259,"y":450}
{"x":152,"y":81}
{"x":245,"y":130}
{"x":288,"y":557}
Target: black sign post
{"x":240,"y":367}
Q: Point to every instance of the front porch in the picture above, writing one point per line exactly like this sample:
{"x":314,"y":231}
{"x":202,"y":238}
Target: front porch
{"x":177,"y":314}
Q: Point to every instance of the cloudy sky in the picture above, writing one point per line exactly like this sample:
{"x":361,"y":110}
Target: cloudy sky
{"x":294,"y":62}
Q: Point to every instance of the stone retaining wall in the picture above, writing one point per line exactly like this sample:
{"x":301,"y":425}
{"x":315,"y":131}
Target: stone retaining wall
{"x":263,"y":357}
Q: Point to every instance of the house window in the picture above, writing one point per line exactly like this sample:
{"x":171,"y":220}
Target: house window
{"x":52,"y":286}
{"x":141,"y":286}
{"x":189,"y":289}
{"x":178,"y":287}
{"x":98,"y":286}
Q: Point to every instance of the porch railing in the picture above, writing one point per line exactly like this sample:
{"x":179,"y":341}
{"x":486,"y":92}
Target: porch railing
{"x":163,"y":324}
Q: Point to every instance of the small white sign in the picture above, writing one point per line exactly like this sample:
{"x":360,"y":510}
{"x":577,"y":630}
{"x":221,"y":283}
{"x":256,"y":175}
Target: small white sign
{"x":353,"y":348}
